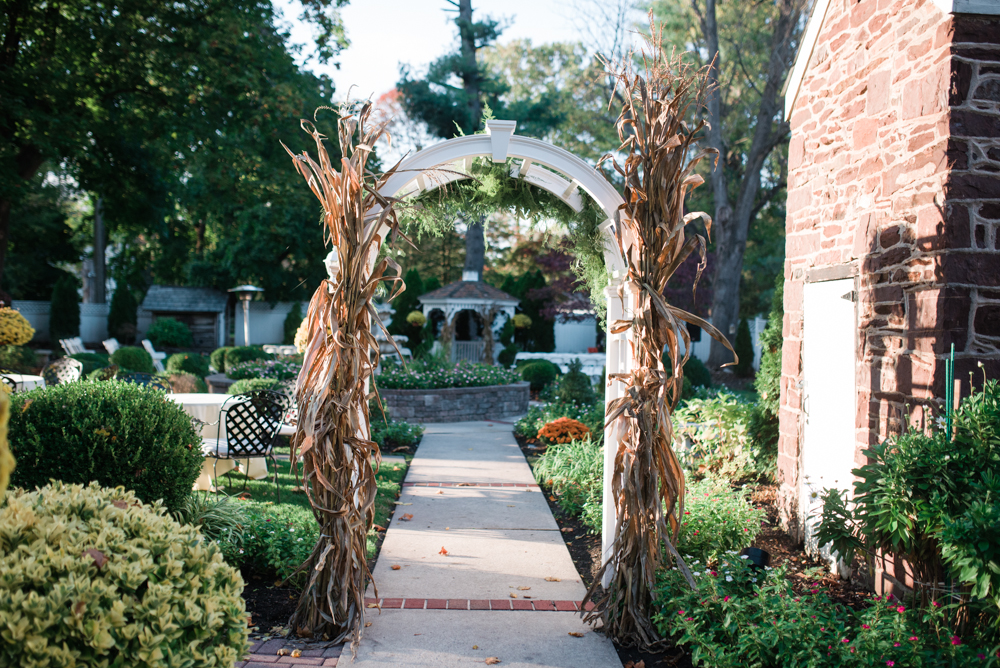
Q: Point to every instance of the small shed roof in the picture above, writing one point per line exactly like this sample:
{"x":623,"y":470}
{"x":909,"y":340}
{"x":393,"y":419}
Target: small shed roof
{"x":177,"y":299}
{"x":466,"y":290}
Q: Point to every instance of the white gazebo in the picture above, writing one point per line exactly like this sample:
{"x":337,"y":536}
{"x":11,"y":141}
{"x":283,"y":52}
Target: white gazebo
{"x":469,"y":294}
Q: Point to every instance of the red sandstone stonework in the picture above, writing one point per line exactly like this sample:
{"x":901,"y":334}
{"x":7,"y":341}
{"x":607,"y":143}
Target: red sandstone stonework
{"x":894,"y":172}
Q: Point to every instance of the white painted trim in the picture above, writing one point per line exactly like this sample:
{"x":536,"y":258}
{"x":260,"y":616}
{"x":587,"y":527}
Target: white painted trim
{"x":500,"y":133}
{"x":987,"y":7}
{"x":802,"y":58}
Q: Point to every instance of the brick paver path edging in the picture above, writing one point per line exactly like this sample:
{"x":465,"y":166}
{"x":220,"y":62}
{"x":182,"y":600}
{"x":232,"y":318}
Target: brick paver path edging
{"x":265,"y":655}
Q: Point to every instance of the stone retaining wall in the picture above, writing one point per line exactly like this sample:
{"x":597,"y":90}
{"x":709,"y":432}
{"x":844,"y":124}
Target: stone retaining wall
{"x":458,"y":404}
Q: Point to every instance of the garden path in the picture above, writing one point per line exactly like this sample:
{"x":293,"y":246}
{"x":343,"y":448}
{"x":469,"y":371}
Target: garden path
{"x":473,"y":565}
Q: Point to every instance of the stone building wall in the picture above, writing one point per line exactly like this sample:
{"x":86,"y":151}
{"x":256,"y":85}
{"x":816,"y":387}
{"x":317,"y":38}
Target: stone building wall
{"x":460,"y":404}
{"x":894,"y":179}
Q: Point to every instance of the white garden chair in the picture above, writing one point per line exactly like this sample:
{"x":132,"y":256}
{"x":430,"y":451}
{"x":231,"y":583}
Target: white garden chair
{"x":157,"y":357}
{"x":111,"y":345}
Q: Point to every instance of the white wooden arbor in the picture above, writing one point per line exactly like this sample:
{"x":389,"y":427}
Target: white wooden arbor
{"x":562,"y":174}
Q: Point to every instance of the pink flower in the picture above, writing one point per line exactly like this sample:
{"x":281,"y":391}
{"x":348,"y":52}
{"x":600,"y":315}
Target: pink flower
{"x":822,"y":628}
{"x":896,"y":644}
{"x":680,"y":612}
{"x":935,"y":604}
{"x":725,"y":599}
{"x":913,"y":638}
{"x":901,"y":609}
{"x":689,"y":619}
{"x":865,"y":626}
{"x":890,"y":663}
{"x":981,"y":656}
{"x":955,"y":640}
{"x":845,"y":640}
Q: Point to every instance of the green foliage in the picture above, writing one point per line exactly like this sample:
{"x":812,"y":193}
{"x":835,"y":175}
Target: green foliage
{"x":283,"y":368}
{"x":123,"y":314}
{"x":574,"y":472}
{"x":185,"y":383}
{"x":91,"y":575}
{"x":19,"y":359}
{"x":218,"y":358}
{"x":768,"y":380}
{"x":403,"y":305}
{"x":394,"y":434}
{"x":740,"y":617}
{"x":219,"y":518}
{"x":112,"y":433}
{"x":254,"y":384}
{"x":697,"y":372}
{"x":291,"y":325}
{"x":419,"y":376}
{"x":241,"y":354}
{"x":717,"y":520}
{"x":92,"y":361}
{"x":712,"y":431}
{"x":539,"y":336}
{"x":539,"y":373}
{"x":133,"y":358}
{"x":169,"y":333}
{"x":591,"y":415}
{"x":575,"y":386}
{"x":193,"y":363}
{"x":64,"y":309}
{"x":744,"y":349}
{"x":934,"y":502}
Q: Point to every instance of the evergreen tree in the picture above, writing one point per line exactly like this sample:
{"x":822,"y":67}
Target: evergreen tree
{"x":404,"y":304}
{"x":291,"y":325}
{"x":64,"y":309}
{"x":744,"y":350}
{"x":123,"y":315}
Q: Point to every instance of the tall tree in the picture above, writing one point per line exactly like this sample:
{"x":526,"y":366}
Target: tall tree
{"x":749,"y":49}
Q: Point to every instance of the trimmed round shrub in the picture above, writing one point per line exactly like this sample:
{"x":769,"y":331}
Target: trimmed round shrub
{"x":133,"y":358}
{"x":91,"y":361}
{"x":254,"y":384}
{"x":15,"y":330}
{"x":416,"y":319}
{"x":19,"y":359}
{"x":218,"y":359}
{"x":192,"y":363}
{"x":113,"y":433}
{"x":169,"y":333}
{"x":241,"y":354}
{"x":539,"y":373}
{"x":186,"y":383}
{"x":94,"y":577}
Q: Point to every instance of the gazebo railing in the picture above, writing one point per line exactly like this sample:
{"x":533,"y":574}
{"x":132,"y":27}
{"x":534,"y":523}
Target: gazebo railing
{"x":467,"y":351}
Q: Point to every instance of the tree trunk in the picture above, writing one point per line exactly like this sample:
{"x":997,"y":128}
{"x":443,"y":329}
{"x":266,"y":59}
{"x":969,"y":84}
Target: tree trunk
{"x":100,"y":242}
{"x":475,"y":247}
{"x":733,"y":226}
{"x":470,"y":76}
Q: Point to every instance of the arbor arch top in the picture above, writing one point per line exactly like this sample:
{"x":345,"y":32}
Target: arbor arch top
{"x":541,"y":164}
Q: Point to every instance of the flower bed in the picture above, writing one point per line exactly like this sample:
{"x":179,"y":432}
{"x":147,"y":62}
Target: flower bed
{"x":457,"y":404}
{"x":279,"y":369}
{"x":460,"y":375}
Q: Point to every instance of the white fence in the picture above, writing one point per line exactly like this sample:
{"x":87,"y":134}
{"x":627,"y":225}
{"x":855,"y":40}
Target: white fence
{"x":93,"y":319}
{"x":576,"y":337}
{"x":267,"y":322}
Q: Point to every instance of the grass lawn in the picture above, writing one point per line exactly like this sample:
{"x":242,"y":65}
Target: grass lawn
{"x":295,"y":504}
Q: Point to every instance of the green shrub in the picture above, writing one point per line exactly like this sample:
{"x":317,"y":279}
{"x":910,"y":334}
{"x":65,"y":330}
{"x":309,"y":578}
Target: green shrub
{"x":133,"y":358}
{"x":934,"y":501}
{"x":394,"y":434}
{"x":539,"y":373}
{"x":192,"y":363}
{"x":275,"y":538}
{"x":92,"y":361}
{"x":185,"y":383}
{"x":697,"y":372}
{"x":92,"y":577}
{"x":744,"y":350}
{"x":218,"y":518}
{"x":169,"y":333}
{"x":508,"y":355}
{"x":241,"y":354}
{"x":574,"y":472}
{"x":591,"y":415}
{"x":113,"y":433}
{"x":716,"y":520}
{"x":465,"y":374}
{"x":64,"y":309}
{"x":575,"y":385}
{"x":768,"y":379}
{"x":739,"y":616}
{"x":123,"y":314}
{"x":284,"y":368}
{"x":218,"y":359}
{"x":712,"y":432}
{"x":254,"y":384}
{"x":291,"y":324}
{"x":19,"y":359}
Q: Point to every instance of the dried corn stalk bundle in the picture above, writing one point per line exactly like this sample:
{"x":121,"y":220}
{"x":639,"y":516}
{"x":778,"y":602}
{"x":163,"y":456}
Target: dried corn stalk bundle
{"x":332,"y":437}
{"x":648,"y":483}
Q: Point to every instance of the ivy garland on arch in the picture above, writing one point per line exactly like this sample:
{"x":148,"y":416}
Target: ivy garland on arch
{"x":491,"y":189}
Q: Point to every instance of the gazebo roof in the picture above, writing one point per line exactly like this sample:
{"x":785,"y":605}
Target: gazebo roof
{"x":172,"y":298}
{"x":467,"y":291}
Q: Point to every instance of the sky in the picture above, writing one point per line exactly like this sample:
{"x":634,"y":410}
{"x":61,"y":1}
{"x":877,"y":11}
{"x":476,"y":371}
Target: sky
{"x":385,"y":33}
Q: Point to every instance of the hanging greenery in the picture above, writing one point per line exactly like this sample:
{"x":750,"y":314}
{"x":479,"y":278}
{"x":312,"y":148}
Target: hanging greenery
{"x":493,"y":190}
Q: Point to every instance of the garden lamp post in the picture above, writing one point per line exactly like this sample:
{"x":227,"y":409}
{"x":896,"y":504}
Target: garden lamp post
{"x":246,"y":293}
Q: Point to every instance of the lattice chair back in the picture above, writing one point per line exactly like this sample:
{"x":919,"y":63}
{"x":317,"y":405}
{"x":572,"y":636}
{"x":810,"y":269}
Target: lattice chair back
{"x":252,"y":421}
{"x":63,"y":370}
{"x":144,"y":379}
{"x":8,"y":381}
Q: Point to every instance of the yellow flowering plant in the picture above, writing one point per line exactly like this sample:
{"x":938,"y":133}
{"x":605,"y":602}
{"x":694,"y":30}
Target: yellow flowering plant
{"x":15,"y":330}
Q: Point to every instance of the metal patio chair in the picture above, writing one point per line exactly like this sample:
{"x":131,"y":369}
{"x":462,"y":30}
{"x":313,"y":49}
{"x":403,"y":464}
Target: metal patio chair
{"x":252,"y":421}
{"x":63,"y":370}
{"x":146,"y":380}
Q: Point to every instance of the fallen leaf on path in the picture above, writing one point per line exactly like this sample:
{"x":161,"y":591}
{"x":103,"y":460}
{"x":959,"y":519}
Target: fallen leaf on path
{"x":396,"y":567}
{"x":552,"y":498}
{"x":406,"y":517}
{"x":513,"y":595}
{"x":399,"y":503}
{"x":524,"y":588}
{"x":447,"y":528}
{"x":298,"y":488}
{"x":475,"y":647}
{"x":418,"y":634}
{"x":492,"y":661}
{"x":373,"y":605}
{"x":284,"y":652}
{"x":443,"y":551}
{"x":565,"y":529}
{"x":576,"y":634}
{"x":367,"y":624}
{"x":440,"y":492}
{"x":551,"y":579}
{"x":296,"y":653}
{"x":464,"y":484}
{"x":378,"y":528}
{"x":511,"y":505}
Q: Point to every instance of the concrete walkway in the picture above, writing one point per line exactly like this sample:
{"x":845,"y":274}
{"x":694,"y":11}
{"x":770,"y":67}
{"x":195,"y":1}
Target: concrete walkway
{"x":473,"y":565}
